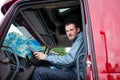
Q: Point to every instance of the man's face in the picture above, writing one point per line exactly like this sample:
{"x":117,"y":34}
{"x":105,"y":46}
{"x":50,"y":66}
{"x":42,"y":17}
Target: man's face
{"x":71,"y":31}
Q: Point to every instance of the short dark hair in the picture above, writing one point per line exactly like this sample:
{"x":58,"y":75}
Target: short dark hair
{"x":77,"y":25}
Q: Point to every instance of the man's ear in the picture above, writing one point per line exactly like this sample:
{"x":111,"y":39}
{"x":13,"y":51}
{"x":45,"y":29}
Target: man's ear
{"x":78,"y":30}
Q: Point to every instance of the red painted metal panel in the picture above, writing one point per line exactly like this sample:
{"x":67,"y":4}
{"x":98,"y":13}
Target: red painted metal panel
{"x":105,"y":21}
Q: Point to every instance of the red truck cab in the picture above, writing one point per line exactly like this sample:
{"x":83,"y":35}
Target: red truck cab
{"x":41,"y":21}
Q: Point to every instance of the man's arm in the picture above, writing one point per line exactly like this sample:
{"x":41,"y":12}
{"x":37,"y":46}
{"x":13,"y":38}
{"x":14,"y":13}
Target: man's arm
{"x":70,"y":58}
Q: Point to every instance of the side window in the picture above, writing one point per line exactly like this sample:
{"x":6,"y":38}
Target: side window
{"x":21,"y":41}
{"x":60,"y":51}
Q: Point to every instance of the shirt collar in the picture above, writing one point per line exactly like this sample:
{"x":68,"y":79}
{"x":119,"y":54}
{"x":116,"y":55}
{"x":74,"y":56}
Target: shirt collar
{"x":79,"y":34}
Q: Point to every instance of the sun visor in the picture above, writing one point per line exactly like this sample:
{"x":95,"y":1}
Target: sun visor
{"x":37,"y":23}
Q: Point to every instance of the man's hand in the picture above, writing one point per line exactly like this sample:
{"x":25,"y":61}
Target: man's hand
{"x":39,"y":55}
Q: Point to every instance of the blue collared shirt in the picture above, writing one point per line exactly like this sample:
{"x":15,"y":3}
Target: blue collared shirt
{"x":69,"y":60}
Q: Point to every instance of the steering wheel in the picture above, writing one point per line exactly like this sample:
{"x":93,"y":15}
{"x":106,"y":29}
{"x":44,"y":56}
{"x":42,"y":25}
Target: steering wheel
{"x":33,"y":60}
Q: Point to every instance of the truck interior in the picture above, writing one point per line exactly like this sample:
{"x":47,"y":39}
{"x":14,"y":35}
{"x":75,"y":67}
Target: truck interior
{"x":41,"y":25}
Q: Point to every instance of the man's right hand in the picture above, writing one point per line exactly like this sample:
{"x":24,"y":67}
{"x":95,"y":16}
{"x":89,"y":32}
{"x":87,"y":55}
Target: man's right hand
{"x":40,"y":55}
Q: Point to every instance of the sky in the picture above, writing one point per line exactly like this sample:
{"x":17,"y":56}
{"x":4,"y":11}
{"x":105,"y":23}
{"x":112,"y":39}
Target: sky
{"x":1,"y":3}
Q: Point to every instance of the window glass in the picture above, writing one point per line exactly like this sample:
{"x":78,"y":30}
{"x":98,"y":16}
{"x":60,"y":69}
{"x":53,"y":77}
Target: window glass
{"x":21,"y":41}
{"x":60,"y":51}
{"x":63,"y":10}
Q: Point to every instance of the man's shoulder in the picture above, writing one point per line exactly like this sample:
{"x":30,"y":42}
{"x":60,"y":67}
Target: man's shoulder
{"x":80,"y":35}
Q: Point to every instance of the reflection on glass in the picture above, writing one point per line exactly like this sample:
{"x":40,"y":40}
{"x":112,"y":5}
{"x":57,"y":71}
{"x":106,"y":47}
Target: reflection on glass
{"x":21,"y":43}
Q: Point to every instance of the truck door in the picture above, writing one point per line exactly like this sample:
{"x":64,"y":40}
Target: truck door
{"x":103,"y":28}
{"x":91,"y":65}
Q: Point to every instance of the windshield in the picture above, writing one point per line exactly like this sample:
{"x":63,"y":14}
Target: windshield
{"x":21,"y":41}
